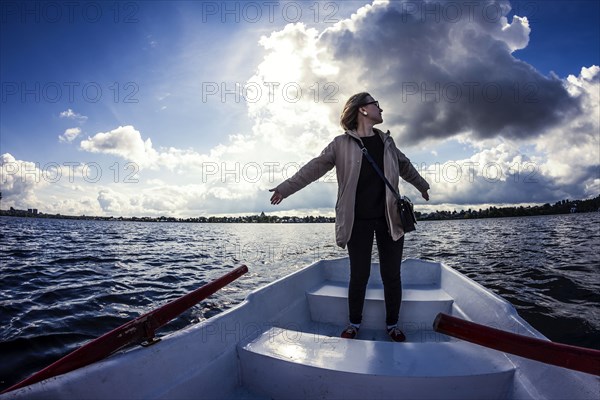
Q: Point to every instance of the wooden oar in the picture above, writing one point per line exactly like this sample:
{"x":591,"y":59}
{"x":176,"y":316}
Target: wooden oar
{"x":562,"y":355}
{"x":138,"y":330}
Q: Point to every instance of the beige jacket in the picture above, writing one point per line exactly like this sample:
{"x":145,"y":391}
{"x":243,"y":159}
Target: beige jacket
{"x":344,"y":154}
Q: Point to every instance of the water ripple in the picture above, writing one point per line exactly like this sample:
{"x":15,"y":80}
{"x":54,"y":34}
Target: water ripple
{"x":65,"y":282}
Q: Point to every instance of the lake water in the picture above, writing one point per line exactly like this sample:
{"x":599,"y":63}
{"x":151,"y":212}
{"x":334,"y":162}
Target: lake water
{"x":64,"y":282}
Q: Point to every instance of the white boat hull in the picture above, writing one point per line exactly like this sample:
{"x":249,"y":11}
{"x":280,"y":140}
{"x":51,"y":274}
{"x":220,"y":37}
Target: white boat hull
{"x":282,"y":342}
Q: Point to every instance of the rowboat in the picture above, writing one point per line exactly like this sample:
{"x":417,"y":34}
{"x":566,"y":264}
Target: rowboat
{"x":283,"y":342}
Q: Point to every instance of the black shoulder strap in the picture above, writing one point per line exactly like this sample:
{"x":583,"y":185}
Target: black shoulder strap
{"x":363,"y":149}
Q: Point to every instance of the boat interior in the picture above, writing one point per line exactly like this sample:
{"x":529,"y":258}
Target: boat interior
{"x":283,"y":342}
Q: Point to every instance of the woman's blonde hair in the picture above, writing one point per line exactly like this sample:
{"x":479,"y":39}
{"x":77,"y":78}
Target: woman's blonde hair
{"x":349,"y":117}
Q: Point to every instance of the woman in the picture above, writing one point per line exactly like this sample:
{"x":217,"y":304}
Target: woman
{"x":365,"y":207}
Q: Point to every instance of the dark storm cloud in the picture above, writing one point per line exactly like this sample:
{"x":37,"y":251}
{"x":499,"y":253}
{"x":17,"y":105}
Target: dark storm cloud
{"x":443,"y":74}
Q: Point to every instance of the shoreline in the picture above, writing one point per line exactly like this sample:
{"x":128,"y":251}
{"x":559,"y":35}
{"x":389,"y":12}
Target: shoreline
{"x":560,"y":207}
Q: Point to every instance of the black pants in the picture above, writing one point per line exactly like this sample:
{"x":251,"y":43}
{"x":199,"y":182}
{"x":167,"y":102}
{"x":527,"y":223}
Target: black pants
{"x":360,"y":247}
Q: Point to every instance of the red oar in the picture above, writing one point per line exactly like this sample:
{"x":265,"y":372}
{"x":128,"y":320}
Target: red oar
{"x":140,"y":329}
{"x":562,"y":355}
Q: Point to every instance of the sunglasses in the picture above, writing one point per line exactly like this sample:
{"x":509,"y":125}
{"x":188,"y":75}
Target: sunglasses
{"x":371,"y":102}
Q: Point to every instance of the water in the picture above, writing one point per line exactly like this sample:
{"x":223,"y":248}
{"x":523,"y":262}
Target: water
{"x":64,"y":282}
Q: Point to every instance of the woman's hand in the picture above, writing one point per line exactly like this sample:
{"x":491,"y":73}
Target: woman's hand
{"x":276,"y":198}
{"x":425,"y":195}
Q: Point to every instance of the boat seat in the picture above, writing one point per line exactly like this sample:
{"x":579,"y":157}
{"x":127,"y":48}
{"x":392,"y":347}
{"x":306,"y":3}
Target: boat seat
{"x":328,"y":303}
{"x":283,"y":363}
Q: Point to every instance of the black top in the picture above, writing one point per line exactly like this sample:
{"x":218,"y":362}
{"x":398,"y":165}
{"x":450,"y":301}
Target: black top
{"x":370,"y":192}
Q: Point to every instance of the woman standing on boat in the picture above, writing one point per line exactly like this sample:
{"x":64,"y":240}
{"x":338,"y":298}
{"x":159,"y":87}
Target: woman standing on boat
{"x":365,"y":207}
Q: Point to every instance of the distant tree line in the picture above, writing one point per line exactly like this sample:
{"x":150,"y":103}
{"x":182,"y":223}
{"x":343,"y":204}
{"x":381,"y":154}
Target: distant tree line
{"x":560,"y":207}
{"x":262,"y":218}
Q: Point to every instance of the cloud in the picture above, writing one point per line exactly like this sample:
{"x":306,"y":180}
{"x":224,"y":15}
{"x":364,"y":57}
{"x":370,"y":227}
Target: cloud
{"x":296,"y":100}
{"x":111,"y":201}
{"x":500,"y":174}
{"x":26,"y":184}
{"x":19,"y":182}
{"x":154,"y":200}
{"x":573,"y":148}
{"x":564,"y":161}
{"x":125,"y":142}
{"x":515,"y":34}
{"x":439,"y":77}
{"x":69,"y":135}
{"x":70,"y":114}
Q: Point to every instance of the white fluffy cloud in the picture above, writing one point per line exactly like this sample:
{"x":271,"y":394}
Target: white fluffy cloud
{"x":499,"y":174}
{"x":515,"y":34}
{"x":125,"y":142}
{"x":69,"y":135}
{"x":19,"y":182}
{"x":573,"y":148}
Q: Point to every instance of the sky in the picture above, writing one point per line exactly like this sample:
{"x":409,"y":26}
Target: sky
{"x":198,"y":108}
